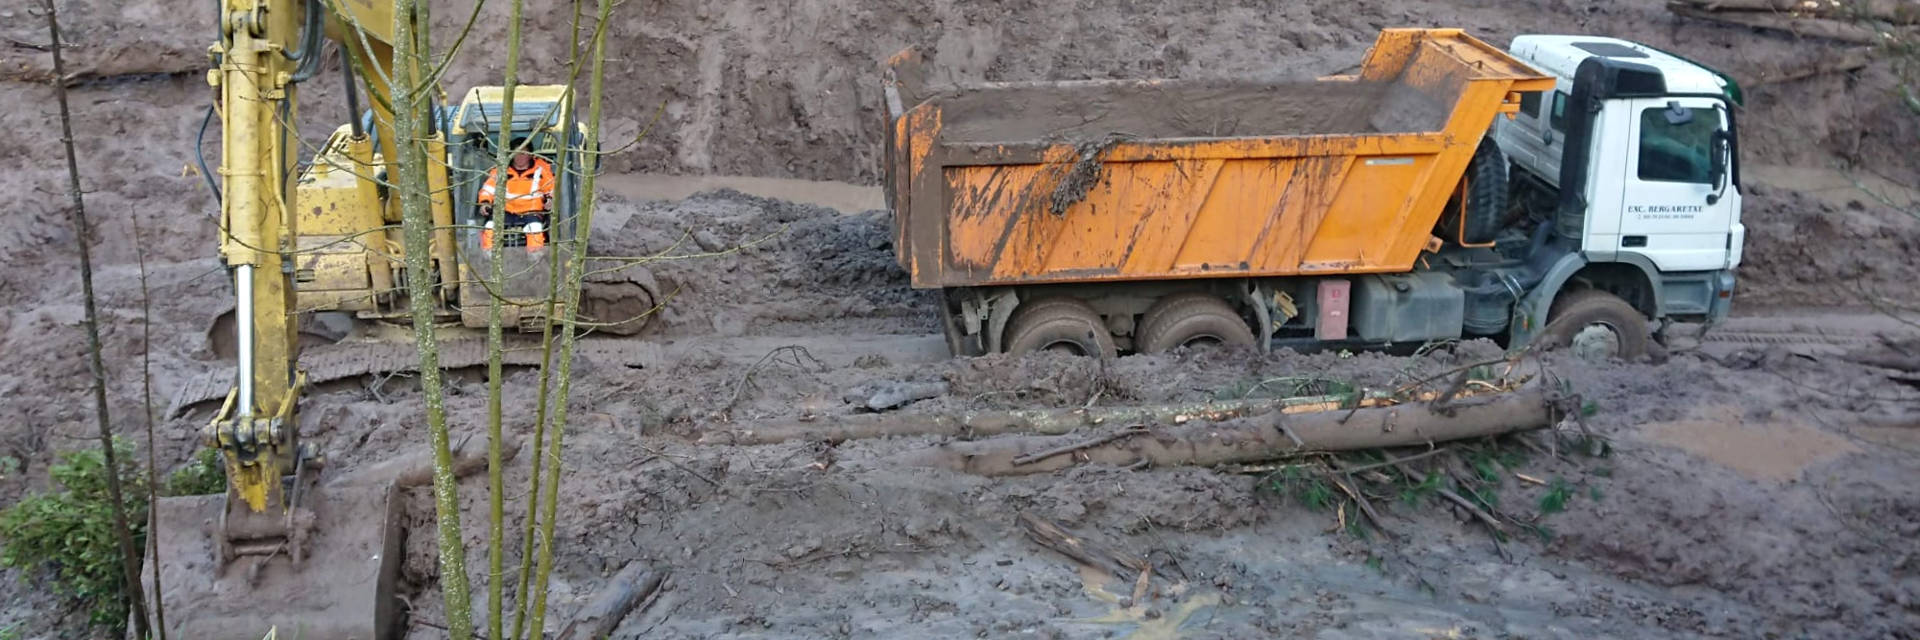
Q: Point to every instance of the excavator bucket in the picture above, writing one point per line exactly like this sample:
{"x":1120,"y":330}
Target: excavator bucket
{"x":340,"y":587}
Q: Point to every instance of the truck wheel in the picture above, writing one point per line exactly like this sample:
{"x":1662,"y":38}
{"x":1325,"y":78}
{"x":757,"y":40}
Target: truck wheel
{"x":1058,"y":324}
{"x":1595,"y":325}
{"x":1487,"y":190}
{"x":1191,"y":319}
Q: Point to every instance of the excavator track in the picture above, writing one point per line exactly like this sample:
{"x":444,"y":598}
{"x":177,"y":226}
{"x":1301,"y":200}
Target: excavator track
{"x":348,"y":360}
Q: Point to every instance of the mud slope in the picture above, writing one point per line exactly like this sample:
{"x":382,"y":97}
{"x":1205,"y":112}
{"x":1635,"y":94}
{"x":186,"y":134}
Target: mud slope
{"x":790,"y":89}
{"x":1804,"y":529}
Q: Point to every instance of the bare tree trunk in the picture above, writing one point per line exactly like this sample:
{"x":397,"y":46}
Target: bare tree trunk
{"x":77,"y":213}
{"x":1893,"y":11}
{"x":978,"y":424}
{"x":576,"y":269}
{"x":1816,"y":27}
{"x":522,"y":606}
{"x":1253,"y":439}
{"x":411,"y":129}
{"x":496,"y":340}
{"x":146,"y":407}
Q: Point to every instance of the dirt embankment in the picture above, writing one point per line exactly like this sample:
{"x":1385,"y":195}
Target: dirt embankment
{"x":791,"y":89}
{"x":1677,"y":537}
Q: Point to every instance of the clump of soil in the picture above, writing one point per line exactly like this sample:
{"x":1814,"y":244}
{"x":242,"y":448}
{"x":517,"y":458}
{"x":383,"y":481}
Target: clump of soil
{"x":736,"y":264}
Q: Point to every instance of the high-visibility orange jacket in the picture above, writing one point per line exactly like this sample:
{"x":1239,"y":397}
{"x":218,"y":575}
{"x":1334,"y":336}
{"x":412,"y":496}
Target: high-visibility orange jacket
{"x":527,"y":190}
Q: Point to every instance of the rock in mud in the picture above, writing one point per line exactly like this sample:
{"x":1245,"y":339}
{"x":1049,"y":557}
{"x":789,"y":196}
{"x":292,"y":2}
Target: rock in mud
{"x":893,"y":395}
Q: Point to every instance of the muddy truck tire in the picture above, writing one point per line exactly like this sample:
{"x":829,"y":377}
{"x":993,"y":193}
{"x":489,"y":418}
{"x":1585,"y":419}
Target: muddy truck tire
{"x":1058,"y":324}
{"x":1485,"y":210}
{"x":1595,"y":325}
{"x":1192,"y":319}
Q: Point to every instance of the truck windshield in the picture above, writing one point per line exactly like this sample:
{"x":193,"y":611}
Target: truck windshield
{"x":1676,"y":144}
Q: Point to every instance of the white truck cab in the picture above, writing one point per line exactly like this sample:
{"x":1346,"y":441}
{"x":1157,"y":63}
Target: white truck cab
{"x":1636,"y":150}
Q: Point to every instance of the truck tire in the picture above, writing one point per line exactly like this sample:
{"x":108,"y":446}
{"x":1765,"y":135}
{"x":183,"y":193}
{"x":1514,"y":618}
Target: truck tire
{"x":1487,"y":190}
{"x":1058,"y":324}
{"x":1595,"y":325}
{"x":1191,"y":319}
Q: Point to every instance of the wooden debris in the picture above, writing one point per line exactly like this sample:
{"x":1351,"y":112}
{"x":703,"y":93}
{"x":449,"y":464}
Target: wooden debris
{"x":1036,"y":457}
{"x":1831,"y":29}
{"x":979,"y":424}
{"x":1850,"y":60}
{"x":1257,"y":440}
{"x":633,"y":584}
{"x":415,"y":468}
{"x":1066,"y":543}
{"x":1890,"y":11}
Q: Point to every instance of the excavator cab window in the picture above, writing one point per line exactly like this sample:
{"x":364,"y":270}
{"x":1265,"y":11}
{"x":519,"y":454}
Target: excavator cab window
{"x":473,"y":156}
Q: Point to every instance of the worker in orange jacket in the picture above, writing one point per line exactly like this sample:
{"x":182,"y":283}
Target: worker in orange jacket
{"x":529,"y":197}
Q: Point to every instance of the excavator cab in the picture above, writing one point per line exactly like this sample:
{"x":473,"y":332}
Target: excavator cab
{"x":542,"y":124}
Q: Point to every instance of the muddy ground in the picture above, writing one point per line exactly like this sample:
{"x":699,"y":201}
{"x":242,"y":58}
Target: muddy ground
{"x":1760,"y":484}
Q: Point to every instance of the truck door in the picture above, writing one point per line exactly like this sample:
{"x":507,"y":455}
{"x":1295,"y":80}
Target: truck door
{"x":1671,"y":209}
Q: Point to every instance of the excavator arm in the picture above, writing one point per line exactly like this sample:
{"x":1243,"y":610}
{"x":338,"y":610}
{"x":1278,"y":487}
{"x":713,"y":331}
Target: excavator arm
{"x":266,"y":50}
{"x":285,"y":551}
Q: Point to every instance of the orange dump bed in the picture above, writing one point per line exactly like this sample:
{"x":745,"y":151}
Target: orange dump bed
{"x":1026,"y":183}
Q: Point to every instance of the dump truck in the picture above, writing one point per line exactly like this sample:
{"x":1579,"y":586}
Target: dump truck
{"x":1109,"y":216}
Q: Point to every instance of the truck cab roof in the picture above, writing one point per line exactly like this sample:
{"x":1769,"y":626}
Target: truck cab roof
{"x":1562,"y":55}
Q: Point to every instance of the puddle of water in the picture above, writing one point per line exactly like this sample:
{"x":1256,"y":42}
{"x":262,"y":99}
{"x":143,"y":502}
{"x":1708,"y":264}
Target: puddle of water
{"x":1773,"y":450}
{"x":1164,"y":627}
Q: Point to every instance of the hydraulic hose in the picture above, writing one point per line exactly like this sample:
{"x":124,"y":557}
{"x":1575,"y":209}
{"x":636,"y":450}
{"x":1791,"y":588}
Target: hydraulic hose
{"x":312,"y":38}
{"x":200,"y":154}
{"x":353,"y":94}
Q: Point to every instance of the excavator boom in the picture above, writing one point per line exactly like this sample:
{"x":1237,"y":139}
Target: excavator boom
{"x":281,"y":549}
{"x":285,"y":547}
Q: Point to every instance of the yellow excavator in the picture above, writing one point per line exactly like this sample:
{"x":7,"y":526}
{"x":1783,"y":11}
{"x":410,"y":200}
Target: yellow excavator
{"x":282,"y":548}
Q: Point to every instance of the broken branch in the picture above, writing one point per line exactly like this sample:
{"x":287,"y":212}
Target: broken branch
{"x":1077,"y":548}
{"x":1036,"y":457}
{"x":634,"y":583}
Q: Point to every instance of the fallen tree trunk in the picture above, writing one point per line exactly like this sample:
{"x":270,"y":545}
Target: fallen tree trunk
{"x":1849,"y":60}
{"x":1816,"y":27}
{"x":603,"y":614}
{"x":1893,"y":11}
{"x":1042,"y":421}
{"x":415,"y":468}
{"x":1257,"y":439}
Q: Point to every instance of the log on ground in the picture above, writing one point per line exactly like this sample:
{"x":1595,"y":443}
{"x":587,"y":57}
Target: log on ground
{"x":1257,"y":439}
{"x":1815,"y":27}
{"x":1892,"y":11}
{"x":628,"y":588}
{"x":978,"y":424}
{"x":415,"y":468}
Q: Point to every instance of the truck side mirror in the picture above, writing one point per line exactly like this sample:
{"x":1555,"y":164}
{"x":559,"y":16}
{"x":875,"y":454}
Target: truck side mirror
{"x":1719,"y":150}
